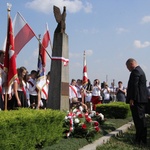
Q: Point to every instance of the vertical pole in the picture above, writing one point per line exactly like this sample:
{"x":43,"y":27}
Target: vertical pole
{"x":6,"y":86}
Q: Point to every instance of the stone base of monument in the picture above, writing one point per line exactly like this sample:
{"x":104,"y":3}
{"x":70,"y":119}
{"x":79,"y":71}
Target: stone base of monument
{"x":58,"y":95}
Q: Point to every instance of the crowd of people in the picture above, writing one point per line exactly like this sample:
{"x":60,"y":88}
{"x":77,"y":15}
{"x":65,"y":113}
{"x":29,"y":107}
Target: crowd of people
{"x":31,"y":90}
{"x":27,"y":90}
{"x":96,"y":93}
{"x":137,"y":95}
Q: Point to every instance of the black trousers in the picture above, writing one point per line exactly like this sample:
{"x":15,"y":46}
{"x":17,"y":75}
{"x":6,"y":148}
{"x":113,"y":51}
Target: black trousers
{"x":1,"y":103}
{"x":138,"y":114}
{"x":33,"y":101}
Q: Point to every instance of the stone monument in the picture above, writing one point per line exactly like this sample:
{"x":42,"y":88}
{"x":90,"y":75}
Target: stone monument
{"x":58,"y":95}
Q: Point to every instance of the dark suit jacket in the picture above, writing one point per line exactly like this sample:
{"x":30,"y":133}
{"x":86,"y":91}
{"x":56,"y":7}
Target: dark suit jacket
{"x":137,"y":89}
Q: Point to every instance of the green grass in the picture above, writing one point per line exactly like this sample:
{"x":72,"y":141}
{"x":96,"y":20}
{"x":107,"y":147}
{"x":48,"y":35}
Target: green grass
{"x":76,"y":143}
{"x":125,"y":141}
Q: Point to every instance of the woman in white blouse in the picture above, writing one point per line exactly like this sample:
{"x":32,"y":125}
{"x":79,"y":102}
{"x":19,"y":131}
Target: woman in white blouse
{"x":96,"y":93}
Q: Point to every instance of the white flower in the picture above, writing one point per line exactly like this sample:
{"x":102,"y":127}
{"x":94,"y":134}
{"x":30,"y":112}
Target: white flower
{"x":75,"y":110}
{"x":102,"y":116}
{"x":66,"y":117}
{"x":76,"y":120}
{"x":78,"y":113}
{"x":80,"y":108}
{"x":92,"y":114}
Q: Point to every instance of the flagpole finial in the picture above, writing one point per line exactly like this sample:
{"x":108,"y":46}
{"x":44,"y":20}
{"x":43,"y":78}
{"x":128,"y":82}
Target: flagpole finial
{"x":9,"y":7}
{"x":39,"y":37}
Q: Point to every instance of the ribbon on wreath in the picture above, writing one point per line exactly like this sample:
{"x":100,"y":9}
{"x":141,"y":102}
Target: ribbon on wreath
{"x":64,"y":60}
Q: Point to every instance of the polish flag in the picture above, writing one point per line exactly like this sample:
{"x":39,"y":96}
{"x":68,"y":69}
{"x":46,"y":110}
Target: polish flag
{"x":42,"y":59}
{"x":10,"y":57}
{"x":45,"y":43}
{"x":22,"y":32}
{"x":85,"y":78}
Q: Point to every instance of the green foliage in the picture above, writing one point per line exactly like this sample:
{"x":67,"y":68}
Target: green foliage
{"x":29,"y":129}
{"x":118,"y":110}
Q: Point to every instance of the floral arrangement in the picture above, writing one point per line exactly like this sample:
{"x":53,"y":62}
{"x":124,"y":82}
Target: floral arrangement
{"x":80,"y":123}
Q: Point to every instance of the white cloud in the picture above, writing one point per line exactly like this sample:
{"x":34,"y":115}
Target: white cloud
{"x":72,"y":6}
{"x":74,"y":55}
{"x":88,"y":52}
{"x":90,"y":31}
{"x":88,"y":7}
{"x":121,"y":30}
{"x":145,"y":19}
{"x":79,"y":55}
{"x":138,"y":44}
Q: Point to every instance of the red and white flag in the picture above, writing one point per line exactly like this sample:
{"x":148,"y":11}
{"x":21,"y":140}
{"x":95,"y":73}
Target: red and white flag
{"x":22,"y":32}
{"x":85,"y":78}
{"x":45,"y":43}
{"x":10,"y":57}
{"x":42,"y":59}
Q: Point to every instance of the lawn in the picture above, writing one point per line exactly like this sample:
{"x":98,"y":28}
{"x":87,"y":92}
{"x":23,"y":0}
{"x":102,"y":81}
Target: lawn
{"x":125,"y":141}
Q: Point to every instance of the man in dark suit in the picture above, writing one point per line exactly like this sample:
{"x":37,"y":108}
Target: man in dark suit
{"x":137,"y":98}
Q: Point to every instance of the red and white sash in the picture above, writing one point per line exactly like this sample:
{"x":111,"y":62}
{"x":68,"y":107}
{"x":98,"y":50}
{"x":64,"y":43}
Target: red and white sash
{"x":73,"y":90}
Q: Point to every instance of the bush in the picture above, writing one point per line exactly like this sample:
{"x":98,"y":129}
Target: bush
{"x":29,"y":129}
{"x":117,"y":110}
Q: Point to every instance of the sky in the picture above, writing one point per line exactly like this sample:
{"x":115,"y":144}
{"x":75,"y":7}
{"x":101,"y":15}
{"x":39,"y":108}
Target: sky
{"x":109,"y":31}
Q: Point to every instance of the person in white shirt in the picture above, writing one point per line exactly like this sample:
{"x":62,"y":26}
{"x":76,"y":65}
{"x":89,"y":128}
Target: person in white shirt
{"x":88,"y":94}
{"x":96,"y":93}
{"x":43,"y":87}
{"x":106,"y":93}
{"x":73,"y":95}
{"x":33,"y":91}
{"x":19,"y":90}
{"x":80,"y":91}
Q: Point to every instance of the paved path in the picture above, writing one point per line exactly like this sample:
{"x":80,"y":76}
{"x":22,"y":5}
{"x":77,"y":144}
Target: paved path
{"x":106,"y":138}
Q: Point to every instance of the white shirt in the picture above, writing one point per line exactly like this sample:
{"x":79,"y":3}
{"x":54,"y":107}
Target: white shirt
{"x":79,"y":90}
{"x":96,"y":90}
{"x":106,"y":94}
{"x":32,"y":87}
{"x":44,"y":91}
{"x":72,"y":91}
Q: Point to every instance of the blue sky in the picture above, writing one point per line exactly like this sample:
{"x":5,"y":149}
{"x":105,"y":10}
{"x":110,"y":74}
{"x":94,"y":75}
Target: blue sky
{"x":110,"y":31}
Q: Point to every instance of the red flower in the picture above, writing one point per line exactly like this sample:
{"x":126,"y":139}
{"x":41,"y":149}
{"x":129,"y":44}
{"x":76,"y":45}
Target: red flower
{"x":84,"y":126}
{"x":80,"y":116}
{"x":96,"y":123}
{"x":86,"y":114}
{"x":88,"y":119}
{"x":97,"y":128}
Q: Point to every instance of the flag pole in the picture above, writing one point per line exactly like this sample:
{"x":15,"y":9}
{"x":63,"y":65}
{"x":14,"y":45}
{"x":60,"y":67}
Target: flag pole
{"x":6,"y":86}
{"x":39,"y":96}
{"x":43,"y":47}
{"x":39,"y":40}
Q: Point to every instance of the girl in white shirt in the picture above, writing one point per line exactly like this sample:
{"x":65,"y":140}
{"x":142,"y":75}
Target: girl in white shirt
{"x":96,"y":93}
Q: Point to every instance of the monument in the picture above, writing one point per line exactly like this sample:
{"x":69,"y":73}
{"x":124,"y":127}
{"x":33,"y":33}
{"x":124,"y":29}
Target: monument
{"x":58,"y":95}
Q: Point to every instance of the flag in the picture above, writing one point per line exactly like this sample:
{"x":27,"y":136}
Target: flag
{"x":22,"y":33}
{"x":10,"y":57}
{"x":45,"y":42}
{"x":42,"y":52}
{"x":42,"y":59}
{"x":85,"y":78}
{"x":41,"y":71}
